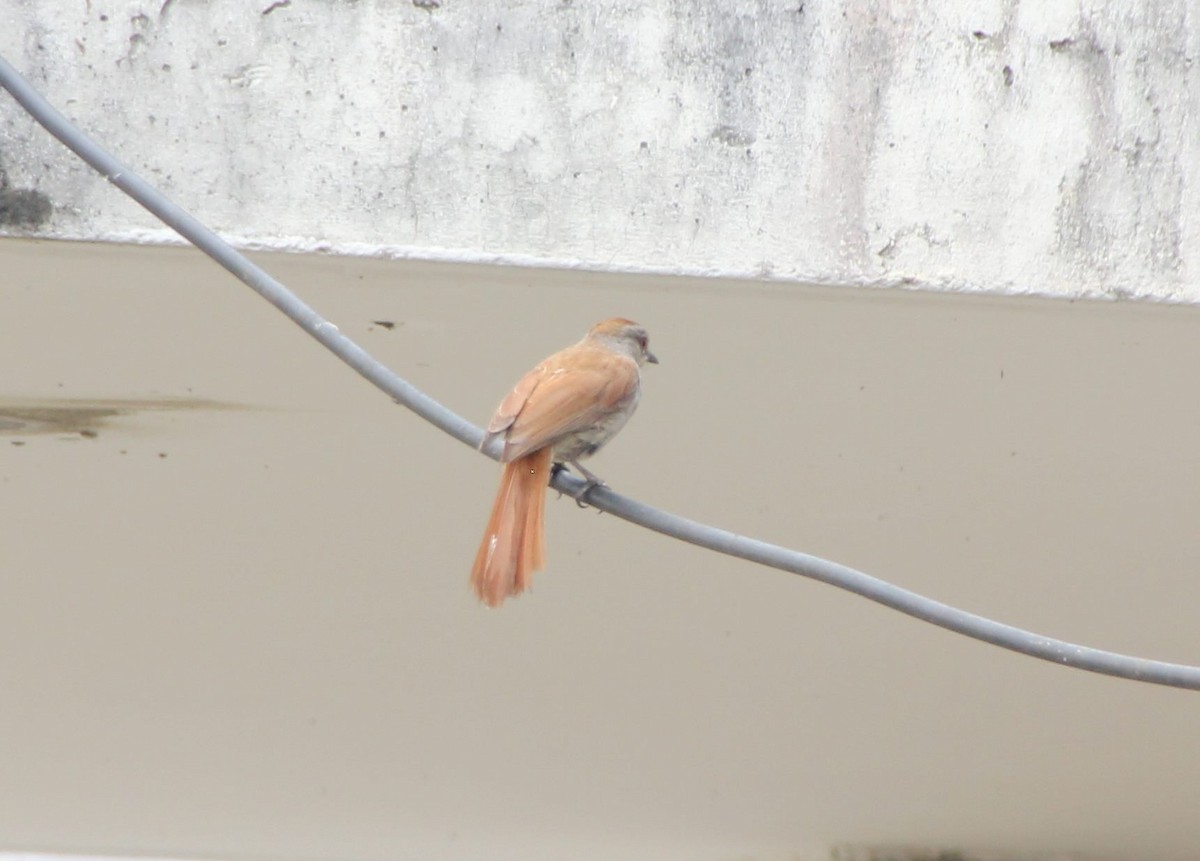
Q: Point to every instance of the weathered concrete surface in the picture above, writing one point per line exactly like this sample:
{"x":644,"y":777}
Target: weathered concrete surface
{"x":983,"y":145}
{"x":234,"y":620}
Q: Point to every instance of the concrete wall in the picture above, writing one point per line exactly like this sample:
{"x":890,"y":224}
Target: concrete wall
{"x":981,"y":145}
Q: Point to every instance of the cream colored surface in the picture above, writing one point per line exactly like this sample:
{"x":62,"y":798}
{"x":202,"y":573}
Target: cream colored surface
{"x":235,"y":623}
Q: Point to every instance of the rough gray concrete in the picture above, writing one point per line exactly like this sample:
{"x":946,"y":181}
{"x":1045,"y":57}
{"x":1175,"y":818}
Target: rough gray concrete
{"x":982,"y":145}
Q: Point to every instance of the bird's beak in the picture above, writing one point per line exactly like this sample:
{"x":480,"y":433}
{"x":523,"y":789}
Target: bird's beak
{"x":651,"y":358}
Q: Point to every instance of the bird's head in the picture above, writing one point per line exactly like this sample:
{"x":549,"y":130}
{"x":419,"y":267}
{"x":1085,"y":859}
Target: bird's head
{"x":626,"y":336}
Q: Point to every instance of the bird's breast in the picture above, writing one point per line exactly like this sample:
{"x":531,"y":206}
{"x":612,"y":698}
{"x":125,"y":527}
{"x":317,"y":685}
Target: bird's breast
{"x":587,"y":441}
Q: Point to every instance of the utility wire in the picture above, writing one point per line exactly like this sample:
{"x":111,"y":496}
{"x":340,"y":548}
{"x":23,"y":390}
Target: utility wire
{"x":918,"y":606}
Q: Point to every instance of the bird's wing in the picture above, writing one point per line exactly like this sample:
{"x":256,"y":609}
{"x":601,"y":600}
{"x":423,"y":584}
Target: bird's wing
{"x":566,"y":393}
{"x":515,"y":400}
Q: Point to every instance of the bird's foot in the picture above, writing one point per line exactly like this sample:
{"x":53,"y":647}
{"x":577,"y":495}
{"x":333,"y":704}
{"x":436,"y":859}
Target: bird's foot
{"x":590,"y":482}
{"x":589,"y":485}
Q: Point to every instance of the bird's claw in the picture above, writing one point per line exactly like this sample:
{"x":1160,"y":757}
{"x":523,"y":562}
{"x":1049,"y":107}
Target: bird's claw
{"x":590,"y":483}
{"x":588,"y":486}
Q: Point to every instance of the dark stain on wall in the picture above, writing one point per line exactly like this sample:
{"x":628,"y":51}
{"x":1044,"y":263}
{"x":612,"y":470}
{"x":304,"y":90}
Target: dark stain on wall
{"x":22,"y":207}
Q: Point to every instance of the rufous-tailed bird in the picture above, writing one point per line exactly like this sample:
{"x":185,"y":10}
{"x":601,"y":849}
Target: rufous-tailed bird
{"x":563,"y":410}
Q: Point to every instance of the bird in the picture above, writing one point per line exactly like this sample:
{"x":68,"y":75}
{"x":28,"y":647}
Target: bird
{"x":562,"y":411}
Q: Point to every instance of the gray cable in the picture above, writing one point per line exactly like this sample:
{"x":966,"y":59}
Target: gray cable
{"x":978,"y":627}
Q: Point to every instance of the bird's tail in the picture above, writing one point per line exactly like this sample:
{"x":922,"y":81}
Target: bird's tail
{"x":514,"y":545}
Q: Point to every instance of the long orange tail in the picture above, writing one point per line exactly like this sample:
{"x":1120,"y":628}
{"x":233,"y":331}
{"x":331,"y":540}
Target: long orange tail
{"x":514,"y":545}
